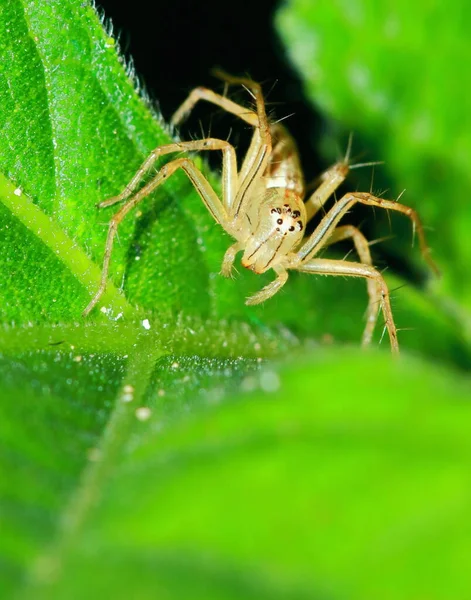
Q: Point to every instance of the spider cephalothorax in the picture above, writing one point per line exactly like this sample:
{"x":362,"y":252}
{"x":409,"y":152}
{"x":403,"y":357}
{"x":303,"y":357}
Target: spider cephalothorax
{"x":275,"y":229}
{"x":264,"y":208}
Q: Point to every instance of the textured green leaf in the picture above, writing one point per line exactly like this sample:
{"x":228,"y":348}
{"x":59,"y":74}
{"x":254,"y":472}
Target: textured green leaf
{"x":74,"y":131}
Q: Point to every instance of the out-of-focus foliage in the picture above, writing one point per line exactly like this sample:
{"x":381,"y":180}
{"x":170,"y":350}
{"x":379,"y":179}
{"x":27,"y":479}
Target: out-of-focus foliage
{"x":155,"y":450}
{"x":304,"y":485}
{"x":394,"y":74}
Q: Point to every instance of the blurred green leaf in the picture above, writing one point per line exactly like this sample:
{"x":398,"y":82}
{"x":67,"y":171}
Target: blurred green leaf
{"x":394,"y":74}
{"x":68,"y":397}
{"x":303,"y":485}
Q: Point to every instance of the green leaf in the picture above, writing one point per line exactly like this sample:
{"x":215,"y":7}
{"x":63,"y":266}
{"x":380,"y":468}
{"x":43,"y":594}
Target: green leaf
{"x":394,"y":75}
{"x":61,"y":114}
{"x":303,"y":485}
{"x":155,"y":450}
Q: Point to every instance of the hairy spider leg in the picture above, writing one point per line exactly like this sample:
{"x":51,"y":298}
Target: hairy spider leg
{"x":324,"y":266}
{"x":202,"y":186}
{"x":345,"y":232}
{"x":259,"y":154}
{"x":272,"y":288}
{"x":229,"y":179}
{"x":242,"y":112}
{"x":330,"y":182}
{"x":328,"y":223}
{"x":202,"y":93}
{"x":259,"y":150}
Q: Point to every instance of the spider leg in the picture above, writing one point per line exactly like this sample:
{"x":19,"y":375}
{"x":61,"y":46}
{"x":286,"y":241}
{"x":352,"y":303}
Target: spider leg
{"x":330,"y":181}
{"x":374,"y":293}
{"x":258,"y":155}
{"x":271,"y":289}
{"x":255,"y":89}
{"x":229,"y":170}
{"x":259,"y":150}
{"x":202,"y":186}
{"x":323,"y":266}
{"x":324,"y":230}
{"x":202,"y":93}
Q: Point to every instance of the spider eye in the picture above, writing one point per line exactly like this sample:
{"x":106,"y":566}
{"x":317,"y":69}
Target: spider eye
{"x":280,"y":221}
{"x":300,"y":225}
{"x":273,"y":210}
{"x":296,"y":214}
{"x":291,"y":228}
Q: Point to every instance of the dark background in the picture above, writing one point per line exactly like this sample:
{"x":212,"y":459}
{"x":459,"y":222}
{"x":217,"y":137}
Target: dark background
{"x":175,"y":44}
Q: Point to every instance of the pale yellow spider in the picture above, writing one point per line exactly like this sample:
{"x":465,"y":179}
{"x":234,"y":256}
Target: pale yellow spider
{"x":263,"y":206}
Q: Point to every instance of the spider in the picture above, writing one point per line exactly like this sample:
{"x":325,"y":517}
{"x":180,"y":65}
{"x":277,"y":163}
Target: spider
{"x":263,"y":206}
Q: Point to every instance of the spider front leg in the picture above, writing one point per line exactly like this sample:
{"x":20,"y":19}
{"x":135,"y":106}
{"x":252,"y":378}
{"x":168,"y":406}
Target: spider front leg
{"x":229,"y":167}
{"x":332,"y":179}
{"x":322,"y":266}
{"x":330,"y":182}
{"x":304,"y":259}
{"x":374,"y":294}
{"x":324,"y":230}
{"x":202,"y":186}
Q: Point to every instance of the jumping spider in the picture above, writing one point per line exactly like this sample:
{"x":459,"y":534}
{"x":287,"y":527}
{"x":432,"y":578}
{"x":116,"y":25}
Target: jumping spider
{"x":263,"y":206}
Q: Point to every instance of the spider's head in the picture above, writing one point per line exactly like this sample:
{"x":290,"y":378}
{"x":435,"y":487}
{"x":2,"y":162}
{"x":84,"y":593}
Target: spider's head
{"x":277,"y":227}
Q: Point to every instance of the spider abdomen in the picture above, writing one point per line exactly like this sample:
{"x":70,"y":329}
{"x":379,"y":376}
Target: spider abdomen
{"x":284,"y":169}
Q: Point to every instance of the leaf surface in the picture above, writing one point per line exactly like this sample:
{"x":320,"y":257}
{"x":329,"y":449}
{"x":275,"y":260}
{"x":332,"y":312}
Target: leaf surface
{"x":303,"y":485}
{"x":155,"y":450}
